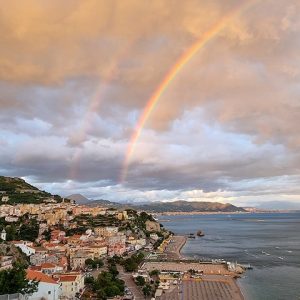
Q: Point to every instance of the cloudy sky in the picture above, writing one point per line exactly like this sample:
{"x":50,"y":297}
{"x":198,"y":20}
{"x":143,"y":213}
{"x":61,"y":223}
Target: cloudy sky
{"x":75,"y":77}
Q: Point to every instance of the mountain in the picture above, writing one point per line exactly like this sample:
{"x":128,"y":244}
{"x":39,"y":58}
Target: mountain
{"x":186,"y":206}
{"x":78,"y":198}
{"x":15,"y":190}
{"x":176,"y":206}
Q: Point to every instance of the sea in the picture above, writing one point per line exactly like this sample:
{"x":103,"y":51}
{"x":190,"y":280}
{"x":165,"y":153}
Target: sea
{"x":269,"y":242}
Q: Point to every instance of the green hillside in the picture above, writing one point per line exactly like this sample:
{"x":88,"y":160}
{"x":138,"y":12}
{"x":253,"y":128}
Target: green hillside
{"x":14,"y":190}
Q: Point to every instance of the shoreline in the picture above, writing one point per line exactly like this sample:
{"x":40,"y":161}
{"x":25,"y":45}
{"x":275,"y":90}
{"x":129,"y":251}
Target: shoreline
{"x":180,"y":242}
{"x":190,"y":213}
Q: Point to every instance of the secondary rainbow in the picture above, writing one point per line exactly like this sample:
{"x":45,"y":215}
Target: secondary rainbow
{"x":171,"y":74}
{"x":94,"y":106}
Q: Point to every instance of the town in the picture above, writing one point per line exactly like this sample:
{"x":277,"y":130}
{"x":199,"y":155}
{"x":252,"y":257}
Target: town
{"x":78,"y":252}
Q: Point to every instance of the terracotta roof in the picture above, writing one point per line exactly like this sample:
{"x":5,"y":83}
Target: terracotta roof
{"x":35,"y":268}
{"x":47,"y":265}
{"x":68,"y":278}
{"x":39,"y":276}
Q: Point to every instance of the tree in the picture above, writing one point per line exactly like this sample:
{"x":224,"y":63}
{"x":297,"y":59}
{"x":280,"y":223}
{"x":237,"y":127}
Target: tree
{"x":113,"y":270}
{"x":147,"y":290}
{"x":14,"y":281}
{"x":140,"y":280}
{"x":108,"y":285}
{"x":130,"y":265}
{"x":96,"y":263}
{"x":89,"y":262}
{"x":154,"y":273}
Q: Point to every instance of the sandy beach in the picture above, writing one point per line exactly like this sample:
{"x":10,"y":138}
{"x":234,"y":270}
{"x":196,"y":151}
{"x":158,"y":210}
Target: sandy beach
{"x":174,"y":247}
{"x":217,"y":282}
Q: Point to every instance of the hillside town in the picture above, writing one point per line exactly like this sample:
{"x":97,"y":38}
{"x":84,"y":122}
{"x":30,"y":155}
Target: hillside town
{"x":54,"y":249}
{"x":69,"y":243}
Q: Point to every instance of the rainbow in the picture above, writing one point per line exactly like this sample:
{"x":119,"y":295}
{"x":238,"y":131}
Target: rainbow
{"x":94,"y":106}
{"x":171,"y":74}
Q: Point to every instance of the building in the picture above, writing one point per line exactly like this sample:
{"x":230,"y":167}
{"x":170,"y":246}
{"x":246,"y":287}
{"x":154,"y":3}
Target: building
{"x":72,"y":284}
{"x":106,"y":231}
{"x":25,"y":246}
{"x":5,"y":262}
{"x":77,"y":260}
{"x":49,"y":268}
{"x":5,"y":198}
{"x":48,"y":288}
{"x":3,"y":235}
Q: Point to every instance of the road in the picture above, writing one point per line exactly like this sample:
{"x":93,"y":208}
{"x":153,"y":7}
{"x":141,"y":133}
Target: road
{"x":129,"y":282}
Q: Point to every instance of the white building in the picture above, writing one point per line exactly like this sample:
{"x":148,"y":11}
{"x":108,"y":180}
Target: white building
{"x":5,"y":198}
{"x":3,"y":235}
{"x":26,"y":247}
{"x":48,"y":288}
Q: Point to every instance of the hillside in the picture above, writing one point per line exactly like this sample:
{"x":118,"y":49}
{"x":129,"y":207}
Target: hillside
{"x":176,"y":206}
{"x":185,"y":206}
{"x":15,"y":190}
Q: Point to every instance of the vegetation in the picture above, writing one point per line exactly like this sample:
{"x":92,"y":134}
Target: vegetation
{"x":24,"y":229}
{"x":96,"y":263}
{"x":19,"y":191}
{"x":107,"y":285}
{"x":14,"y":281}
{"x":140,"y":280}
{"x":89,"y":221}
{"x":131,"y":264}
{"x":147,"y":289}
{"x":154,"y":273}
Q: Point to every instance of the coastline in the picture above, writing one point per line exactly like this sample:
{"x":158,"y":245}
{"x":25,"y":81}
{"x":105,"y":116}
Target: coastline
{"x":175,"y":253}
{"x":221,"y":213}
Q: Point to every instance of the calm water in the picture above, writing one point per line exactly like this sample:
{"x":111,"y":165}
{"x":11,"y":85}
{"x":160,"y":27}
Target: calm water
{"x":269,"y":242}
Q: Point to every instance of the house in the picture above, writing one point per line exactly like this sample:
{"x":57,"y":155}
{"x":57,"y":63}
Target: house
{"x":25,"y":246}
{"x":38,"y":259}
{"x":5,"y":262}
{"x":106,"y":231}
{"x":48,"y":288}
{"x":71,"y":284}
{"x":154,"y":236}
{"x":77,"y":261}
{"x":49,"y":268}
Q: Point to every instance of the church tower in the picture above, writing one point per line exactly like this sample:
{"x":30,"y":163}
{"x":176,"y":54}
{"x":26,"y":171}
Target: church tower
{"x":3,"y":235}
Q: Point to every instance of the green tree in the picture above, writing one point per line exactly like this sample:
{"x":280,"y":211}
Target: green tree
{"x":154,"y":273}
{"x":14,"y":281}
{"x":147,"y":290}
{"x":130,"y":265}
{"x":140,"y":280}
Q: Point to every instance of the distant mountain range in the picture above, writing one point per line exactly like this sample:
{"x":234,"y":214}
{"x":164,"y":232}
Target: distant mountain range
{"x":19,"y":191}
{"x":161,"y":207}
{"x":188,"y":206}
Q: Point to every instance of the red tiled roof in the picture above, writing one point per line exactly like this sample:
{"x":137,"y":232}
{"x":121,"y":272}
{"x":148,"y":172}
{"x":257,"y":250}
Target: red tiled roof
{"x":47,"y":265}
{"x":39,"y":276}
{"x":68,"y":278}
{"x":35,"y":268}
